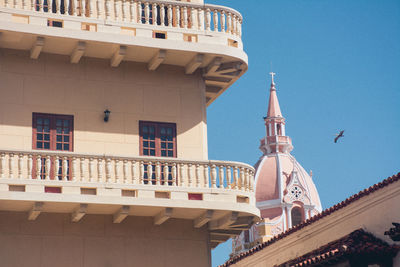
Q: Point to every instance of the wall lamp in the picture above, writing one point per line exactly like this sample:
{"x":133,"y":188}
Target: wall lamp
{"x":106,"y":115}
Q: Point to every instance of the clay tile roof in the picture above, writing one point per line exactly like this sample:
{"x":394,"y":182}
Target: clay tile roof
{"x":358,"y":242}
{"x":315,"y":218}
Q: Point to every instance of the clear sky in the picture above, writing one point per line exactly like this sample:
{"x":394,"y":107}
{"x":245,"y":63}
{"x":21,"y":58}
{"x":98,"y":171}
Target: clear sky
{"x":338,"y":67}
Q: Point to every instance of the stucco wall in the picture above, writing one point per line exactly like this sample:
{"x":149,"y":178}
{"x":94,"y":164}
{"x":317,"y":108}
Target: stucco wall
{"x":374,"y":213}
{"x":53,"y":240}
{"x":52,"y":84}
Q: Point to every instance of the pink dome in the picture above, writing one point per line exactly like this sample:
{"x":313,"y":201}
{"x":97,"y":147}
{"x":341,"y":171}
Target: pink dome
{"x":276,"y":172}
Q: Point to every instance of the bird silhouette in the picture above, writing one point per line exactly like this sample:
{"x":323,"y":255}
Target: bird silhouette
{"x":338,"y":136}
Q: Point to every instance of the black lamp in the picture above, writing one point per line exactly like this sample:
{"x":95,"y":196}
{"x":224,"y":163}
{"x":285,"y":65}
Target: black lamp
{"x":106,"y":115}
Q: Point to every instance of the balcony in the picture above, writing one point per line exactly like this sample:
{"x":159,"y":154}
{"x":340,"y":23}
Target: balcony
{"x":219,"y":193}
{"x":188,"y":35}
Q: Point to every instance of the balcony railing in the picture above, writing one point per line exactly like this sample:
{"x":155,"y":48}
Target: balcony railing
{"x":170,"y":14}
{"x":70,"y":167}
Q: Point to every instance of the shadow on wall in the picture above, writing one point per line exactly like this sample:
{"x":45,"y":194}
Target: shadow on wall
{"x":85,"y":90}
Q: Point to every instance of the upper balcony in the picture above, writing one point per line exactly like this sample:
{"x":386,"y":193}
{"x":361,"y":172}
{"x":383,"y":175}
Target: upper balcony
{"x":189,"y":35}
{"x":219,"y":193}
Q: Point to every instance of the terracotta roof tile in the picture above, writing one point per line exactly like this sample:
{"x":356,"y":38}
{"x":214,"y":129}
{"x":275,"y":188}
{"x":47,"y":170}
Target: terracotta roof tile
{"x":315,"y":218}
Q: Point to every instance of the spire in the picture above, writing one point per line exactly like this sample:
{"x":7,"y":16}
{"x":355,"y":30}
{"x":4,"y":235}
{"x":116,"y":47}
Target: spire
{"x":273,"y":107}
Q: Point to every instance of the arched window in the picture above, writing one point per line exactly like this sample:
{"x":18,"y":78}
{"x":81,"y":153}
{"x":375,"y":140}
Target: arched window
{"x":278,"y":128}
{"x":297,"y":216}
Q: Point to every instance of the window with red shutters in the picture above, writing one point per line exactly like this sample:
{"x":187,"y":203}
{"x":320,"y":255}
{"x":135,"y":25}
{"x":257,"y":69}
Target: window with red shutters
{"x":52,"y":132}
{"x":157,"y":139}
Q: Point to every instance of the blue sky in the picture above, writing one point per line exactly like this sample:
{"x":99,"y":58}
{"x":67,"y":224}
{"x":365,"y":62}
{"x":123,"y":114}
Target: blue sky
{"x":338,"y":67}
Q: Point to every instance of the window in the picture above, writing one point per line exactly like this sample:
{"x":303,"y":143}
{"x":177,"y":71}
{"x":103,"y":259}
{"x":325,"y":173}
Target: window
{"x":52,"y":132}
{"x":157,"y":139}
{"x":297,"y":216}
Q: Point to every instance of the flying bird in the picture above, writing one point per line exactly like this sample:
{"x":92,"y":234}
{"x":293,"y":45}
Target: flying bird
{"x":339,"y":135}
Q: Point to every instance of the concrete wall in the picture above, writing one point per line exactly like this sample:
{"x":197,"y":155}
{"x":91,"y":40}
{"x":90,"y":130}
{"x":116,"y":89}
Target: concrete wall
{"x":52,"y":84}
{"x":53,"y":240}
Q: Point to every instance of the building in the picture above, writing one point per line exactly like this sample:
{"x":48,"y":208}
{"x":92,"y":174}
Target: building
{"x":285,"y":192}
{"x":103,"y":133}
{"x":355,"y":232}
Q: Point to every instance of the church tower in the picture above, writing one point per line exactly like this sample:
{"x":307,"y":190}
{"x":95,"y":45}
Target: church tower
{"x":285,"y":192}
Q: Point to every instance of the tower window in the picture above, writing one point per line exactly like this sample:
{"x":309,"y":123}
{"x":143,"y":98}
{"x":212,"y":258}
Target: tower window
{"x":157,"y":139}
{"x":297,"y":216}
{"x":278,"y":129}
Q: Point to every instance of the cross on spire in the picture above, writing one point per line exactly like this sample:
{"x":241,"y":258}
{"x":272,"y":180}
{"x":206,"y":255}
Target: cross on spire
{"x":272,"y":77}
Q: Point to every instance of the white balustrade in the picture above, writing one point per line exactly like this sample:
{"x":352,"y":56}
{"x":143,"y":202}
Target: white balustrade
{"x":151,"y":12}
{"x":69,"y":167}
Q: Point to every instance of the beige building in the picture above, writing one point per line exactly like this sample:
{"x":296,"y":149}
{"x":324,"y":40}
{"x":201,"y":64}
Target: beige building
{"x":361,"y":231}
{"x":103,"y":133}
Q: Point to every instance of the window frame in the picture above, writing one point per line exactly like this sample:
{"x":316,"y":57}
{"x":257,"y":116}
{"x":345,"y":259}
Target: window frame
{"x":53,"y":134}
{"x":158,"y":126}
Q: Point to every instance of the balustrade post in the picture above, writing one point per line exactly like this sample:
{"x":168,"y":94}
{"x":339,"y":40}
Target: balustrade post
{"x":178,"y":16}
{"x":108,"y":170}
{"x":82,"y":168}
{"x":185,"y":17}
{"x":57,"y":4}
{"x":30,"y":165}
{"x":198,"y":175}
{"x":215,"y":20}
{"x":229,"y":22}
{"x":213,"y":176}
{"x":166,"y":173}
{"x":84,"y":7}
{"x":126,"y":171}
{"x":208,"y":19}
{"x":108,"y":9}
{"x":74,"y":169}
{"x":189,"y":172}
{"x":24,"y":5}
{"x":7,"y":3}
{"x":251,"y":181}
{"x":133,"y":12}
{"x":91,"y":170}
{"x":242,"y":179}
{"x":65,"y":169}
{"x":162,"y":15}
{"x":117,"y":171}
{"x":20,"y":165}
{"x":125,"y":10}
{"x":11,"y":165}
{"x":158,"y":173}
{"x":99,"y":170}
{"x":228,"y":177}
{"x":247,"y":180}
{"x":174,"y":174}
{"x":234,"y":25}
{"x":206,"y":180}
{"x":154,"y":14}
{"x":139,"y":12}
{"x":192,"y":18}
{"x":117,"y":9}
{"x":33,"y":3}
{"x":133,"y":172}
{"x":141,"y":175}
{"x":222,"y":14}
{"x":74,"y":8}
{"x":47,"y":166}
{"x":91,"y":8}
{"x":169,"y":14}
{"x":235,"y":177}
{"x":99,"y":9}
{"x":147,"y":13}
{"x":38,"y":166}
{"x":2,"y":165}
{"x":181,"y":175}
{"x":221,"y":176}
{"x":240,"y":28}
{"x":150,"y":173}
{"x":56,"y":167}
